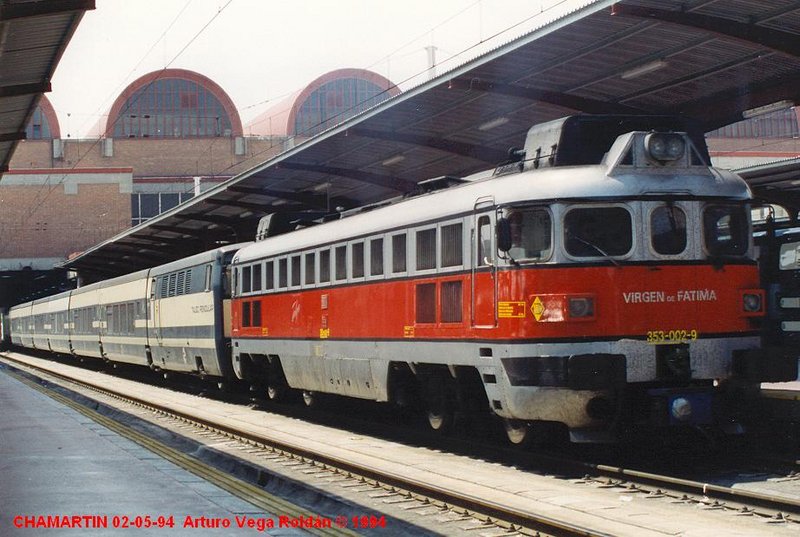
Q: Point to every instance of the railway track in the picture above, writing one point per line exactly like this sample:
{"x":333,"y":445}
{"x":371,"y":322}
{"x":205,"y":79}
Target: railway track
{"x":467,"y":507}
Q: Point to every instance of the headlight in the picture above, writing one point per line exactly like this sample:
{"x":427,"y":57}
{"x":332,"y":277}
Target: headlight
{"x":751,"y":302}
{"x":681,"y":409}
{"x":664,"y":146}
{"x":582,"y":306}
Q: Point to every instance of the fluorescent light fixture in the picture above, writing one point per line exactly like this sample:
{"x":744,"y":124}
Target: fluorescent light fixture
{"x":278,"y":202}
{"x":393,"y":160}
{"x":322,"y":186}
{"x":643,"y":69}
{"x":767,"y":108}
{"x":493,"y":123}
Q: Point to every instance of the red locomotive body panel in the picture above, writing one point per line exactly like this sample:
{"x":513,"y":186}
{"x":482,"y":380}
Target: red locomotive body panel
{"x":631,"y":301}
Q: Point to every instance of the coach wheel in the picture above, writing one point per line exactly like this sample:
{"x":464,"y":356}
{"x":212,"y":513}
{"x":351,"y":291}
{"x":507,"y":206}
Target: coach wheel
{"x":309,"y":398}
{"x":518,"y":432}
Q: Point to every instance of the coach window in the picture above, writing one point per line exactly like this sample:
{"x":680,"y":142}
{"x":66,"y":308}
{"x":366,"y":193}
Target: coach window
{"x":311,"y":268}
{"x":295,"y":270}
{"x":668,"y":230}
{"x":283,"y":273}
{"x":598,"y":231}
{"x":426,"y":249}
{"x":324,"y":266}
{"x":452,"y":249}
{"x":269,"y":272}
{"x":726,"y":230}
{"x":357,"y":258}
{"x":376,"y":257}
{"x":257,"y":277}
{"x":399,"y":253}
{"x":341,"y":262}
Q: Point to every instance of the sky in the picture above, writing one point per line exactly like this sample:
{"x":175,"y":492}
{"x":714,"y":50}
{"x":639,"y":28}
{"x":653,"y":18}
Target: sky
{"x":261,"y":51}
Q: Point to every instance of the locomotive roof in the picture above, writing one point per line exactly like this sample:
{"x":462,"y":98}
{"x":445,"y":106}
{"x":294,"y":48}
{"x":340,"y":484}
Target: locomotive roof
{"x":601,"y":181}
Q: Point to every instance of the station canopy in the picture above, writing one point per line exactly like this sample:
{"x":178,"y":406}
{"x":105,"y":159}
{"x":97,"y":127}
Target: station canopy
{"x":33,"y":36}
{"x":708,"y":60}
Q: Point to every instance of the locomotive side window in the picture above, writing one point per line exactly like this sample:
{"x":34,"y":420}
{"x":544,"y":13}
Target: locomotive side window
{"x":399,"y":253}
{"x":357,"y":258}
{"x":246,"y":281}
{"x":484,"y":241}
{"x":311,"y":268}
{"x":341,"y":262}
{"x":269,"y":269}
{"x":324,"y":266}
{"x":531,"y":233}
{"x":376,"y":257}
{"x":452,"y":251}
{"x":598,"y":231}
{"x":426,"y":249}
{"x":451,"y":302}
{"x":668,"y":230}
{"x":283,"y":273}
{"x":726,"y":229}
{"x":295,"y":270}
{"x":256,"y":277}
{"x":426,"y":303}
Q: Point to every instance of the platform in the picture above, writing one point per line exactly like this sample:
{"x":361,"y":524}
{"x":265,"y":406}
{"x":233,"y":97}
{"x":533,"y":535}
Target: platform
{"x":61,"y":469}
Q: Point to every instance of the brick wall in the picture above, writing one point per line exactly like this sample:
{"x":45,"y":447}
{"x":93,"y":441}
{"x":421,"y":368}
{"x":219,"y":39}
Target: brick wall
{"x":152,"y":156}
{"x":53,"y":215}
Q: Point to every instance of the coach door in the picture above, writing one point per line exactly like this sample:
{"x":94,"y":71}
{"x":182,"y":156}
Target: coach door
{"x":155,"y":311}
{"x":484,"y":271}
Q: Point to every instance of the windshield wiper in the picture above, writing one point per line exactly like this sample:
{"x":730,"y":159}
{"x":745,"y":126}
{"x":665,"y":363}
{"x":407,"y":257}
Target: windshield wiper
{"x":594,"y":247}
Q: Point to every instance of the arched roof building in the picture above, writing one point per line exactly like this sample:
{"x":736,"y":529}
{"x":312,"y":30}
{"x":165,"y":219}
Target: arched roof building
{"x":43,"y":124}
{"x":326,"y":101}
{"x":173,"y":103}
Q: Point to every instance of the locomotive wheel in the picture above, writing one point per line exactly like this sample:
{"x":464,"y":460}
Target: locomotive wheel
{"x":309,"y":398}
{"x":518,"y":432}
{"x":275,"y":392}
{"x":440,"y":418}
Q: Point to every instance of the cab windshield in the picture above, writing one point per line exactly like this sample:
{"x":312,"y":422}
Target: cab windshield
{"x":531,"y":233}
{"x":726,"y":229}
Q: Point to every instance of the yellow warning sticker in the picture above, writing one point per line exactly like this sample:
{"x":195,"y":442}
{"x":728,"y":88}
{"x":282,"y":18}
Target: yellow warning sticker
{"x":324,"y":333}
{"x":408,"y":331}
{"x":537,"y":308}
{"x":511,"y":310}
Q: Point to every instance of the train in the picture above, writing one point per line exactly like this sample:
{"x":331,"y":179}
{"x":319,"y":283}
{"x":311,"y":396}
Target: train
{"x":602,"y":280}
